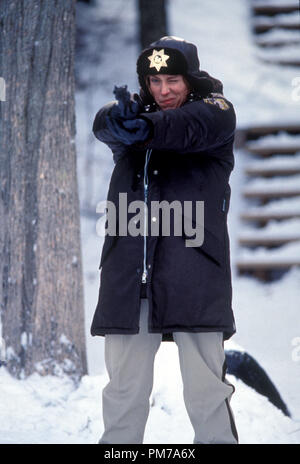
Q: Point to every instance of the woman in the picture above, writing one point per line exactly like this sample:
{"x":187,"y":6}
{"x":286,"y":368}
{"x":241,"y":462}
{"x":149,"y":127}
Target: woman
{"x":173,"y":143}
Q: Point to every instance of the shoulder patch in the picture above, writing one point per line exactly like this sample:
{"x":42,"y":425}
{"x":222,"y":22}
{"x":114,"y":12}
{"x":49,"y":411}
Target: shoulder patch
{"x":220,"y":102}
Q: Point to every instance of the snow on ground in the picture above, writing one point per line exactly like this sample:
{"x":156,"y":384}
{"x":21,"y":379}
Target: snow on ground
{"x":267,"y":318}
{"x":51,"y":410}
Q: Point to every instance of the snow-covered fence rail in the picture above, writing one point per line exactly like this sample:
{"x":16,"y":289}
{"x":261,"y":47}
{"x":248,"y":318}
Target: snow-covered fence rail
{"x":270,"y":240}
{"x":276,"y":27}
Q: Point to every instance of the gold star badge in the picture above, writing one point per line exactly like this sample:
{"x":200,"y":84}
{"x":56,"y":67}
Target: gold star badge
{"x":158,"y":59}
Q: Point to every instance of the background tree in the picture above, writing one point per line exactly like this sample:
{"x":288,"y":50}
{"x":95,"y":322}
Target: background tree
{"x":41,"y":283}
{"x":152,"y":21}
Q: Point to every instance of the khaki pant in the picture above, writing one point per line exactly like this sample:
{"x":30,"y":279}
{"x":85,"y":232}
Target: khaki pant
{"x":130,"y":363}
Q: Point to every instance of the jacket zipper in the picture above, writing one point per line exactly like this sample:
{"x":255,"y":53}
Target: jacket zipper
{"x":144,"y":275}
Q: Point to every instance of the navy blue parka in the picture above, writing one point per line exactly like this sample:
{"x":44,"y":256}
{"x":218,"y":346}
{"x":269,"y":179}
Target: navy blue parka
{"x":189,"y":158}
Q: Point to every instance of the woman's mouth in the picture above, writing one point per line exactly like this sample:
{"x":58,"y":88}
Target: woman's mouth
{"x":167,"y":102}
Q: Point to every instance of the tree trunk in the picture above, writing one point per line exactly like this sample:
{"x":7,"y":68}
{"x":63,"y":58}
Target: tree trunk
{"x":152,"y":21}
{"x":41,"y":283}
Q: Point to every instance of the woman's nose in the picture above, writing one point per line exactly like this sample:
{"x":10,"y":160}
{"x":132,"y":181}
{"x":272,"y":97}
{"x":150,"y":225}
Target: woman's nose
{"x":164,"y":89}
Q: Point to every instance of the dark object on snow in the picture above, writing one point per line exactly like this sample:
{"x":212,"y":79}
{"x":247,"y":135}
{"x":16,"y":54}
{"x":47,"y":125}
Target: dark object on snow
{"x":247,"y":369}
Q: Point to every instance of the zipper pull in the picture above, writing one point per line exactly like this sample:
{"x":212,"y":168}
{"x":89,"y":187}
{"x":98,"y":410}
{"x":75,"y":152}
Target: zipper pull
{"x":224,"y":204}
{"x":144,"y":277}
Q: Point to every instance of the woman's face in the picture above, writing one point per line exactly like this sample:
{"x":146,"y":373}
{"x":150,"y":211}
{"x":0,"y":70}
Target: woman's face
{"x":168,"y":90}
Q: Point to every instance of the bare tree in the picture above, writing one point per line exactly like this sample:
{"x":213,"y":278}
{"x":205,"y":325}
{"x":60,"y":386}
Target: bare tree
{"x":152,"y":21}
{"x":41,"y":283}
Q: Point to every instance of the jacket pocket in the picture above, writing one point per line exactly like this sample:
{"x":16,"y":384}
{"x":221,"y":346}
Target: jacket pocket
{"x":212,"y":246}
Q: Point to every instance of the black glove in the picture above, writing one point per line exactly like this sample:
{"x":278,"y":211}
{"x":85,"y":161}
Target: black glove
{"x":123,"y":121}
{"x":129,"y":131}
{"x":126,"y":108}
